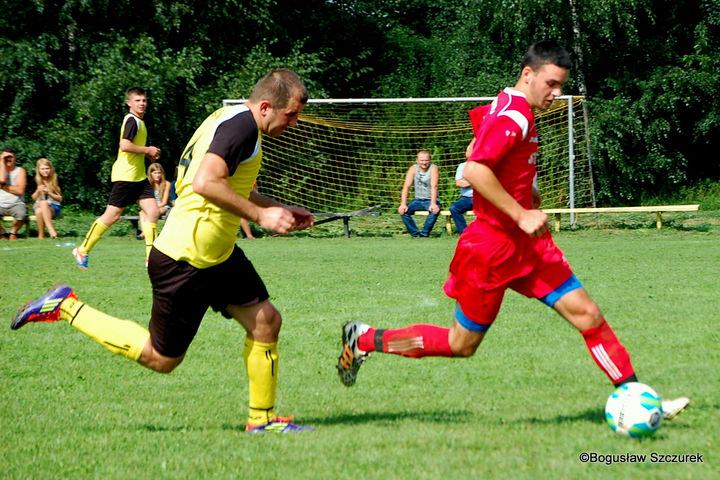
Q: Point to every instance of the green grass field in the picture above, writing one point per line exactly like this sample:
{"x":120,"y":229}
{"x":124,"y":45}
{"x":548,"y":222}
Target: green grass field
{"x":526,"y":406}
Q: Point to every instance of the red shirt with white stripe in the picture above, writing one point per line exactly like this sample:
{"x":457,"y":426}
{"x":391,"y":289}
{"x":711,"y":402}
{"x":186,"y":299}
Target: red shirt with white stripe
{"x":493,"y":252}
{"x":507,"y":142}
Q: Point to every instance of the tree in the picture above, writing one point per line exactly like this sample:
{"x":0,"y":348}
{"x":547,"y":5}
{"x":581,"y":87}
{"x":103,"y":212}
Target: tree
{"x":650,"y":68}
{"x":65,"y":87}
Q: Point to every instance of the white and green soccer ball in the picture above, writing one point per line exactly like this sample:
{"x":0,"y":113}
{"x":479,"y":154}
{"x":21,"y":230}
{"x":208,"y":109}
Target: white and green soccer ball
{"x":634,"y":410}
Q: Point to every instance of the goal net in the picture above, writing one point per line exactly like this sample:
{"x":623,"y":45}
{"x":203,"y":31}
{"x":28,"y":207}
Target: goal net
{"x":347,"y":154}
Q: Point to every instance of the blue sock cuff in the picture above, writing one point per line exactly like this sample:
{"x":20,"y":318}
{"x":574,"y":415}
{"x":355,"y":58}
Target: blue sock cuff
{"x":468,"y":324}
{"x":567,"y":286}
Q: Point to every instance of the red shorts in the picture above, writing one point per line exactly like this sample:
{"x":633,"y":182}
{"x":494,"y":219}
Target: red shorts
{"x":489,"y":260}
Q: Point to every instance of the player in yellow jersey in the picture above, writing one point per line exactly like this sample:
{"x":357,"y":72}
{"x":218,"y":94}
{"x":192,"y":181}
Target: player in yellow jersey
{"x":195,"y":263}
{"x":129,"y":180}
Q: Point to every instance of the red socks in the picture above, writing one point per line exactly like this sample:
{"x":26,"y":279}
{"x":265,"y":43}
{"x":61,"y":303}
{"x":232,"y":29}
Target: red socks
{"x":609,"y":354}
{"x":415,"y":341}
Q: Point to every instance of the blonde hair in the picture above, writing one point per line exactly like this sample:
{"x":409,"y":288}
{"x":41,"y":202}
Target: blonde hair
{"x":52,"y":179}
{"x":156,"y":167}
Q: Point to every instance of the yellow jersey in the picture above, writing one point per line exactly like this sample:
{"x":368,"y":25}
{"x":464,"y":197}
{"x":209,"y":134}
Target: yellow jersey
{"x":130,"y":167}
{"x":198,"y":231}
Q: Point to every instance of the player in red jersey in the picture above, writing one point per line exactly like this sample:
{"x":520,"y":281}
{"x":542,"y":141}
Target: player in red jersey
{"x":509,"y":244}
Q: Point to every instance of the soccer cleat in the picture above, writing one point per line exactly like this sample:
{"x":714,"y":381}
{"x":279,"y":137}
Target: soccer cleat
{"x":671,"y":408}
{"x":351,"y":356}
{"x":43,"y":309}
{"x":277,"y":425}
{"x":82,"y":259}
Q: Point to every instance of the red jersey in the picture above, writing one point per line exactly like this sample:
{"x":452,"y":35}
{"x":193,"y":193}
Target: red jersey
{"x":506,"y":141}
{"x":493,"y":253}
{"x":477,"y":115}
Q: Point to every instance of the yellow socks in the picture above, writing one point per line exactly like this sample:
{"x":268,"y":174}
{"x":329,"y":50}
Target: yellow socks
{"x":149,"y":231}
{"x":261,"y":363}
{"x":97,"y":230}
{"x":123,"y":337}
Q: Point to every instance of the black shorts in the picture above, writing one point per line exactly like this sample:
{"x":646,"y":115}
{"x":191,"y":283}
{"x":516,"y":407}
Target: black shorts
{"x":127,"y":193}
{"x":183,"y":293}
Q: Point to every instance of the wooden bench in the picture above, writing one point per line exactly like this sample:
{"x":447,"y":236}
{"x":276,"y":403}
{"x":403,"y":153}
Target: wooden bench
{"x":658,"y":210}
{"x":448,"y":218}
{"x":11,"y":220}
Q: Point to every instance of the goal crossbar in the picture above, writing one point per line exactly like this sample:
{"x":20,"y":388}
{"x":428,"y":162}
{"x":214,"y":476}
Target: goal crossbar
{"x":231,"y":101}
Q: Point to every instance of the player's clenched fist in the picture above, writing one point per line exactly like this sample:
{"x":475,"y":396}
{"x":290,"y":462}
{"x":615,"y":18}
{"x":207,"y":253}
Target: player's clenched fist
{"x":303,"y":217}
{"x":533,"y":222}
{"x":277,"y":219}
{"x":153,"y":153}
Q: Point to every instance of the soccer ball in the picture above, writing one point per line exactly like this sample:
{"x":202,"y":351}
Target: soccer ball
{"x":634,"y":410}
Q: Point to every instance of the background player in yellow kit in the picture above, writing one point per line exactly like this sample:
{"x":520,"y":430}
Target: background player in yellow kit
{"x":129,"y":180}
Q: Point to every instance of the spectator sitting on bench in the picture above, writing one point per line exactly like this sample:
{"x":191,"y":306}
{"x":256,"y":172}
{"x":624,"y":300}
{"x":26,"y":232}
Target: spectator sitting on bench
{"x":464,"y":203}
{"x":424,"y":176}
{"x":161,"y":191}
{"x":13,"y":181}
{"x":47,"y":197}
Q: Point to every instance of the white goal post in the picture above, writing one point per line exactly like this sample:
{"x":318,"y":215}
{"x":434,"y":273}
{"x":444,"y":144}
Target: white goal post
{"x":347,"y":154}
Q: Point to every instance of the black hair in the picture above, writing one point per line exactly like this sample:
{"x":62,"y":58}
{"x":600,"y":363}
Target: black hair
{"x":546,"y":52}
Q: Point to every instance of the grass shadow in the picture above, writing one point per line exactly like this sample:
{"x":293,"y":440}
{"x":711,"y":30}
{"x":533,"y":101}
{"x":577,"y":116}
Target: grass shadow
{"x":433,"y":416}
{"x":591,"y":415}
{"x":442,"y":417}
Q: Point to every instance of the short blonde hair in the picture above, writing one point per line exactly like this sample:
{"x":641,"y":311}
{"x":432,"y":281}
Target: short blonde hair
{"x":278,"y":87}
